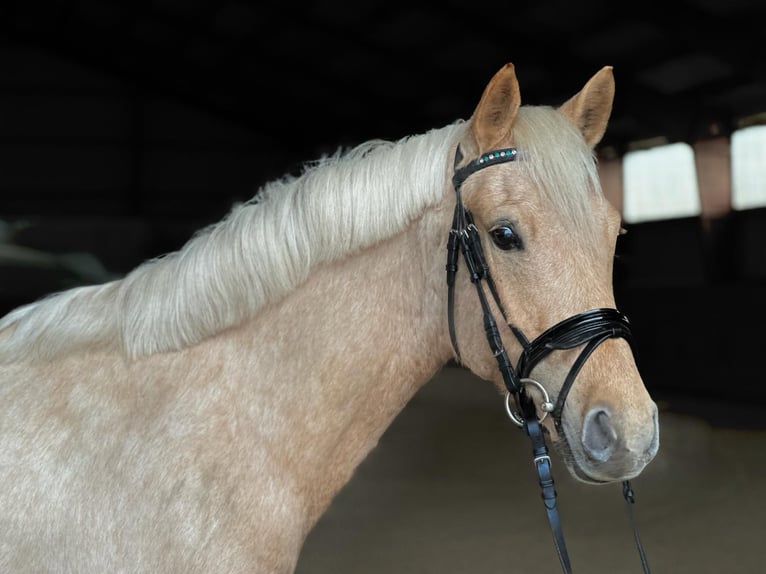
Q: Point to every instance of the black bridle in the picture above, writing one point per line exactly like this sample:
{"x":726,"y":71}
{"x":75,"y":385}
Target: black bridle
{"x":590,"y":328}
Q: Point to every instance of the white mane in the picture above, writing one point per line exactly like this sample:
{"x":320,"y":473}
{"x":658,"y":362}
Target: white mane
{"x":267,"y":247}
{"x":262,"y":250}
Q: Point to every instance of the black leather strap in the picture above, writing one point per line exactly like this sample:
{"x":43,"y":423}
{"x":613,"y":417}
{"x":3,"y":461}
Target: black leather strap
{"x":630,"y":500}
{"x":452,"y":258}
{"x":573,"y":332}
{"x":542,"y":462}
{"x":509,"y":374}
{"x":590,"y":328}
{"x":464,"y":237}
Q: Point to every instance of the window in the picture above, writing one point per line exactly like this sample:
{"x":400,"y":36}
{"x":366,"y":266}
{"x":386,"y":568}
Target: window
{"x":660,"y":183}
{"x":748,"y":167}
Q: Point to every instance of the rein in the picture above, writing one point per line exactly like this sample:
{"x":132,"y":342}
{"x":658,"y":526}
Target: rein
{"x":590,"y":328}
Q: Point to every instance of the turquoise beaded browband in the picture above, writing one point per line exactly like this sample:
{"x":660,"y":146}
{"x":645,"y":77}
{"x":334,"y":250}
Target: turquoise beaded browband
{"x":497,"y":154}
{"x":489,"y":158}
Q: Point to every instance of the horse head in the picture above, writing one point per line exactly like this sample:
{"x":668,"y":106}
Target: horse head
{"x":547,"y":237}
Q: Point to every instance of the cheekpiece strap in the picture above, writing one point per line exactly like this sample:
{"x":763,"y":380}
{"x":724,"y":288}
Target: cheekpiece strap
{"x":464,"y":237}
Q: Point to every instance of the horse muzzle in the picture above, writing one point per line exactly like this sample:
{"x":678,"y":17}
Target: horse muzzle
{"x":609,"y":448}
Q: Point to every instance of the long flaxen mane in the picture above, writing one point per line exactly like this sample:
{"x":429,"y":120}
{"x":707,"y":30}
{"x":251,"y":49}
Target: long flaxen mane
{"x":268,"y":246}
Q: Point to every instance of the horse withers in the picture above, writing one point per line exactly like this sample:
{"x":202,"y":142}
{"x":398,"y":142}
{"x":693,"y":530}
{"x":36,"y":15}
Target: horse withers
{"x":199,"y":414}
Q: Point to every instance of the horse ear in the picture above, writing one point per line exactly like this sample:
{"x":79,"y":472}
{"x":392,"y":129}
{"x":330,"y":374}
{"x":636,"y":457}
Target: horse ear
{"x":590,"y":109}
{"x":492,"y":120}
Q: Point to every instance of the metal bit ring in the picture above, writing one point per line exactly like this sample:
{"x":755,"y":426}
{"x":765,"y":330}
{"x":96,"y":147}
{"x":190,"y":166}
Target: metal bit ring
{"x":546,"y":406}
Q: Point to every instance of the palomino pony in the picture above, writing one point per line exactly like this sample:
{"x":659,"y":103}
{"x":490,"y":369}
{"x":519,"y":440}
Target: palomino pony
{"x":199,"y":414}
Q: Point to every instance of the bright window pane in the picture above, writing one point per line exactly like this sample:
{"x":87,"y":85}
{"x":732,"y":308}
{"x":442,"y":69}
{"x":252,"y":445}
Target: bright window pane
{"x":748,"y":167}
{"x":660,"y":183}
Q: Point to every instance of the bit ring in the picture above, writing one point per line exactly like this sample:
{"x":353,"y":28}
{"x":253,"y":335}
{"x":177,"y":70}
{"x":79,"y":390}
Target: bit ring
{"x":546,"y":406}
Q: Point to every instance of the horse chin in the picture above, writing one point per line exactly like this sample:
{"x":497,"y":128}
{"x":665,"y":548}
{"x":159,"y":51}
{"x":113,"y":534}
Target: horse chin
{"x":581,"y":475}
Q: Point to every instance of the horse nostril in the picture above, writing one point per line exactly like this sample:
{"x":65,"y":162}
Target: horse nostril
{"x":598,"y":434}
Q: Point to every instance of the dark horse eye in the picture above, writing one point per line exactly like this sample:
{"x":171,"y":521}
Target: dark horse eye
{"x":505,"y":237}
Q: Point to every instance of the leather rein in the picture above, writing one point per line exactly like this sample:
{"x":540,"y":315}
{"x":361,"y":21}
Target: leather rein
{"x":590,"y":328}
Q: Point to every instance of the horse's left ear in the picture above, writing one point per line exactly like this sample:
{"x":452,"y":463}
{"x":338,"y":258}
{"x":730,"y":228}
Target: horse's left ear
{"x":590,"y":109}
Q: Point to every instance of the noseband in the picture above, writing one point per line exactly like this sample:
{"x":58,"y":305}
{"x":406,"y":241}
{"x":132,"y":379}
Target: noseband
{"x":589,"y":328}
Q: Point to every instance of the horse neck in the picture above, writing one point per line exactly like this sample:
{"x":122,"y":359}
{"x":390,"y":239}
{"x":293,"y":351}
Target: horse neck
{"x":331,"y":365}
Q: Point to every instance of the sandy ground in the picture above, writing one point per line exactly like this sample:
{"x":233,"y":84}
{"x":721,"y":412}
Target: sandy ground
{"x":451,"y":489}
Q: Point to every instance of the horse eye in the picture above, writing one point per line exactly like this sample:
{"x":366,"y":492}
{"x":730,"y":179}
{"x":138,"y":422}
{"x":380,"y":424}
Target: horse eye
{"x":505,"y":237}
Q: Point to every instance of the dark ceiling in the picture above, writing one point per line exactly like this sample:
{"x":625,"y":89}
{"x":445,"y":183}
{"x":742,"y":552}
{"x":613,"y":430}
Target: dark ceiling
{"x":315,"y":75}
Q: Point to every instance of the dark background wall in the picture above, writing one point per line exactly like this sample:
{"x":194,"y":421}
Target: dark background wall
{"x":124,"y":127}
{"x":98,"y":173}
{"x":695,"y":292}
